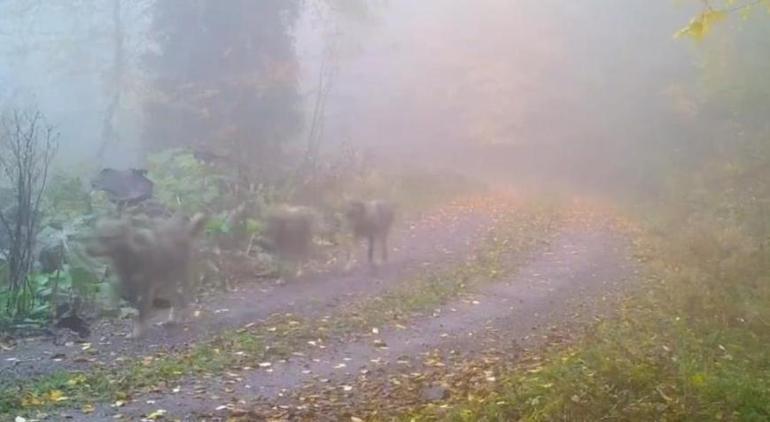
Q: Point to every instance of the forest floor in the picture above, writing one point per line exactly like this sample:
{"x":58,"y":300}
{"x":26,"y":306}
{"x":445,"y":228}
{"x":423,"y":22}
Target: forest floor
{"x":471,"y":286}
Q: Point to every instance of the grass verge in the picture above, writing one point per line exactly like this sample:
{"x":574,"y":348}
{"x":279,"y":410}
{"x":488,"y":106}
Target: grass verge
{"x":691,"y":344}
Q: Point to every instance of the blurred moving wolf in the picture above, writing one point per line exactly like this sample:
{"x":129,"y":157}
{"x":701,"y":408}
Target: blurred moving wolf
{"x":371,"y":220}
{"x":151,"y":258}
{"x":289,"y":234}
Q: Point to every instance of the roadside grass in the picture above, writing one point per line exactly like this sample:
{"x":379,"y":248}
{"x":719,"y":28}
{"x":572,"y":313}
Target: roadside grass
{"x":518,"y":231}
{"x":689,"y":344}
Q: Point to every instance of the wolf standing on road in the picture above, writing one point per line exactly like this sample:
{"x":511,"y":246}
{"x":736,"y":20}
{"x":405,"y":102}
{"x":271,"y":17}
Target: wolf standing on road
{"x":371,"y":220}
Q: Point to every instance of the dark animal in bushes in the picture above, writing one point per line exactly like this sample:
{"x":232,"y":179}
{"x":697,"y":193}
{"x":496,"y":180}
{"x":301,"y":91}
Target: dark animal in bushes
{"x":289,"y":233}
{"x":124,"y":187}
{"x":68,"y":316}
{"x":151,"y":258}
{"x":371,"y":220}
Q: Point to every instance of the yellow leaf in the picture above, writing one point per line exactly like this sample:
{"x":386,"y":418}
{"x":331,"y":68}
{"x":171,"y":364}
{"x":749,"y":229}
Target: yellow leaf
{"x":158,"y":414}
{"x":78,"y":379}
{"x":31,"y":401}
{"x":57,"y":396}
{"x":88,"y":408}
{"x":698,"y":379}
{"x":700,"y":25}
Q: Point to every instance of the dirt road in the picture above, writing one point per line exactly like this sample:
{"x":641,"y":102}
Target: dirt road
{"x":560,"y":285}
{"x":453,"y":231}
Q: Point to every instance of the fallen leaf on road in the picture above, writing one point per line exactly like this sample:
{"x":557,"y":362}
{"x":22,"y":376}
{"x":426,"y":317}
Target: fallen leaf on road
{"x":158,"y":414}
{"x":57,"y":396}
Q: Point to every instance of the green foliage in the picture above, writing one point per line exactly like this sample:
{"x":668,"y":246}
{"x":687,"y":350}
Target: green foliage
{"x":19,"y":303}
{"x":45,"y":291}
{"x":184,"y":183}
{"x":79,"y":276}
{"x":253,"y":226}
{"x":218,"y":225}
{"x":66,"y":198}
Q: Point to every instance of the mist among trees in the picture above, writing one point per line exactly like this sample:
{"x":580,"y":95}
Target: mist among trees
{"x":380,"y":210}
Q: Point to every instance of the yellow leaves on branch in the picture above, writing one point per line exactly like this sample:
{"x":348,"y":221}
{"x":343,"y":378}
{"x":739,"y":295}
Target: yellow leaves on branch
{"x":700,"y":25}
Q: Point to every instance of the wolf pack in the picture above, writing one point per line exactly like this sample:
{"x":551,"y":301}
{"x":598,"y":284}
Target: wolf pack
{"x":151,"y":256}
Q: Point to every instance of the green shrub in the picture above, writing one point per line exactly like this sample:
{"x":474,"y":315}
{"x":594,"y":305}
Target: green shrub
{"x":185,"y":184}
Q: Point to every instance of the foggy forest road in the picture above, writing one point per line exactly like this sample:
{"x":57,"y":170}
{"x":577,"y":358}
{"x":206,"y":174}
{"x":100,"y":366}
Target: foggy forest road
{"x":561,"y":283}
{"x":574,"y":198}
{"x":454,"y":230}
{"x":570,"y":281}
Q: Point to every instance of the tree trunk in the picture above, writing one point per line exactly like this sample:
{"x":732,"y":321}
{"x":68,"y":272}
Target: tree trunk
{"x":108,"y":126}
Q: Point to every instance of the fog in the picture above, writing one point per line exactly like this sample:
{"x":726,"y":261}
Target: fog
{"x":57,"y":57}
{"x":384,"y":209}
{"x":525,"y":87}
{"x":553,"y":86}
{"x":597,"y":94}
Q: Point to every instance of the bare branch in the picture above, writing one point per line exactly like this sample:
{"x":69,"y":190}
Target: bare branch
{"x":27,"y":148}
